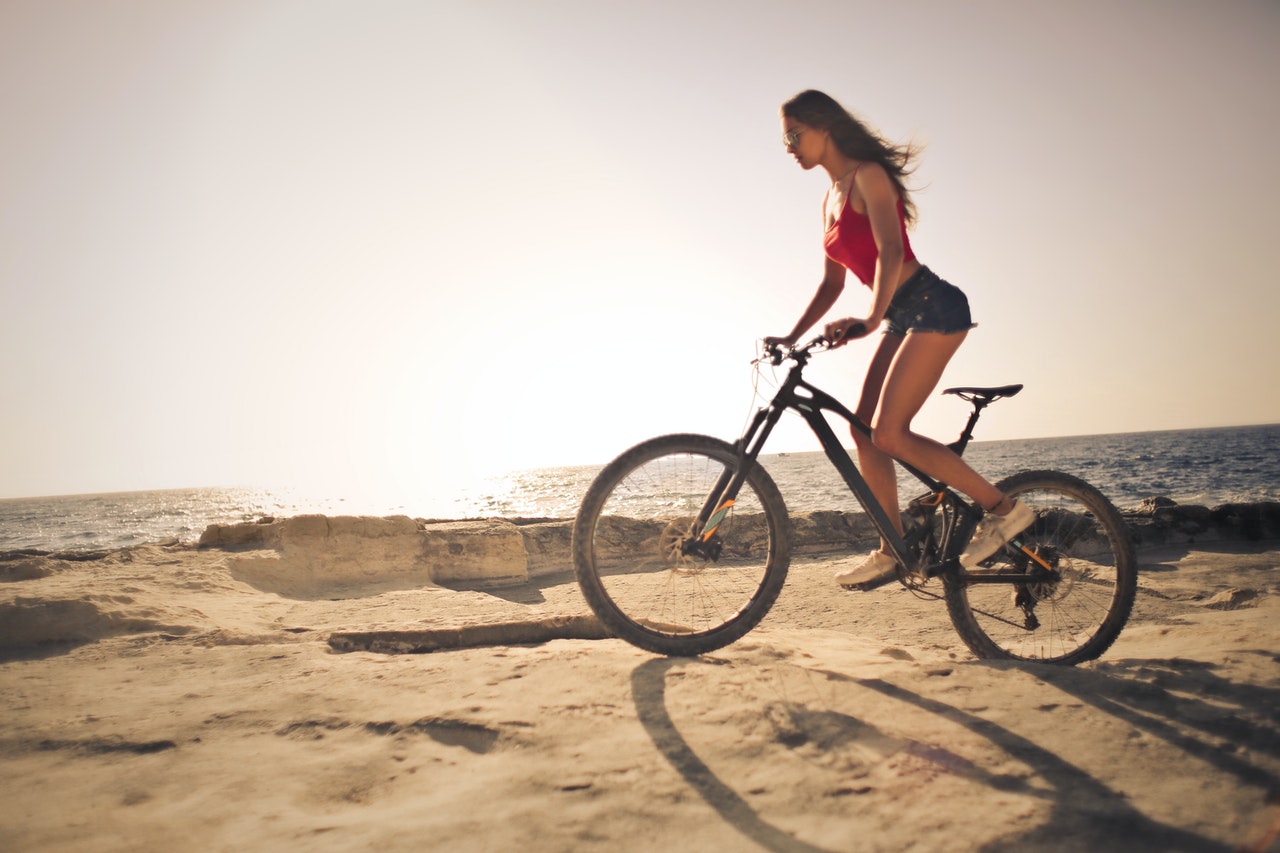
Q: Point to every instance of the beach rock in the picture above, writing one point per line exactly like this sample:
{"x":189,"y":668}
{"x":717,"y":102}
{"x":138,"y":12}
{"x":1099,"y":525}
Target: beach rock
{"x":1162,"y":521}
{"x":475,"y":553}
{"x":319,"y":556}
{"x":1187,"y":519}
{"x":316,"y":556}
{"x":428,"y":640}
{"x":1232,"y":599}
{"x":548,"y":545}
{"x":825,"y":532}
{"x":230,"y":537}
{"x":1251,"y":521}
{"x":1153,"y":503}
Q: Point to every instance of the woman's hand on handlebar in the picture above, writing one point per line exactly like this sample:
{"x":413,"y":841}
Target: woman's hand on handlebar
{"x":839,"y":332}
{"x":785,"y":342}
{"x":775,"y":349}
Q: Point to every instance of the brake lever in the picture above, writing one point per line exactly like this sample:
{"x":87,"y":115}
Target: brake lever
{"x":768,"y":352}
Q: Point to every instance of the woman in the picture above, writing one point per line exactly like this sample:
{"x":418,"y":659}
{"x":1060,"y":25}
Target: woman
{"x":865,"y":212}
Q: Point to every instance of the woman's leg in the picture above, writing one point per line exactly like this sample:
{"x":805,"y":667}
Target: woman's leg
{"x":877,"y":466}
{"x":912,"y":376}
{"x":877,"y":469}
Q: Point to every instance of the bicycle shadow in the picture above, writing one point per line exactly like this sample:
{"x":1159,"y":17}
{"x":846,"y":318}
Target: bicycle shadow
{"x":1165,"y":698}
{"x":1114,"y":823}
{"x":648,"y":691}
{"x":1120,"y":825}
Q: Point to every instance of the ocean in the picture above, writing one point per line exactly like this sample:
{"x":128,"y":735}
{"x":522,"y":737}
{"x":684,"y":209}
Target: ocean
{"x":1200,"y":466}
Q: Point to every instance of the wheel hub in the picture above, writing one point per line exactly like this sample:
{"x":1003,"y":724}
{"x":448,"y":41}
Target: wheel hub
{"x":683,"y":551}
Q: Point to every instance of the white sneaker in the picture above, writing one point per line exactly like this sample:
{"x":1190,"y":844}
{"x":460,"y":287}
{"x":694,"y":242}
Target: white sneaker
{"x":994,"y":531}
{"x":876,"y":570}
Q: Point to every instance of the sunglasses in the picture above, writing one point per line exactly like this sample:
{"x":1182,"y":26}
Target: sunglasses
{"x":791,"y":138}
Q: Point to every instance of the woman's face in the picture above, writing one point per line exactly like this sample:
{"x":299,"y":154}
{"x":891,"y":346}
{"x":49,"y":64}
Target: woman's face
{"x":802,"y":142}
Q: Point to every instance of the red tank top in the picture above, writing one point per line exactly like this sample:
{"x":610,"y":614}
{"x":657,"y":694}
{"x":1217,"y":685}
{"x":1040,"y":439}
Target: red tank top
{"x":850,"y":243}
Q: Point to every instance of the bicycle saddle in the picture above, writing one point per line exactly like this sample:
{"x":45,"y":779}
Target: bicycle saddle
{"x":986,"y":395}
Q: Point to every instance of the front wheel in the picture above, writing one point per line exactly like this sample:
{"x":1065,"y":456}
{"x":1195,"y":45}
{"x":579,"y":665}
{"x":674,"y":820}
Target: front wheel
{"x":656,"y":577}
{"x":1066,"y":594}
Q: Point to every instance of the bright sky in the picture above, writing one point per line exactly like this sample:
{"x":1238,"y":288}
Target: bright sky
{"x":396,"y":244}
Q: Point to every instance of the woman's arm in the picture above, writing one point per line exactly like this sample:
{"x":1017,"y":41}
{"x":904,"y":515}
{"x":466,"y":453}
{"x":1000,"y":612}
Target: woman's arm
{"x":881,"y":200}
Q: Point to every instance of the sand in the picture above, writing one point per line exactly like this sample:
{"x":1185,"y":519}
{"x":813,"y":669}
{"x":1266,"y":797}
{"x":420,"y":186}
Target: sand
{"x":153,"y":701}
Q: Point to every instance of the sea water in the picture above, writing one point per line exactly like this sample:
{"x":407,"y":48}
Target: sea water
{"x":1202,"y":466}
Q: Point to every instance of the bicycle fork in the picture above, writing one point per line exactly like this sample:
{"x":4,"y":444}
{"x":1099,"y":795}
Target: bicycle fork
{"x":702,"y":541}
{"x":720,"y":501}
{"x":713,"y":523}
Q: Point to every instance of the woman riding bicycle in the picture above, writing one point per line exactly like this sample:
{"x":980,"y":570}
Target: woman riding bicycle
{"x":865,"y":212}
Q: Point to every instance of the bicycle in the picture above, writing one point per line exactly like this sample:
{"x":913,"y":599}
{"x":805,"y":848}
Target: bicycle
{"x":682,"y":543}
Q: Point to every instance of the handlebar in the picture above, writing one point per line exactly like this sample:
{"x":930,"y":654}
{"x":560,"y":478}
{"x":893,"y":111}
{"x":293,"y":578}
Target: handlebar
{"x":775,"y":354}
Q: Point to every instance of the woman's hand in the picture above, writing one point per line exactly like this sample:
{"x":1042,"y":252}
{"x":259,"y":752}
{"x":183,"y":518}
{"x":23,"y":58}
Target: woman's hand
{"x":840,"y":332}
{"x":784,"y":342}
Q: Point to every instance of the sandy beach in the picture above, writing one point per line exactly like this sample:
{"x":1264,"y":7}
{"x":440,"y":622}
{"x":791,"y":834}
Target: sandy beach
{"x":155,"y":700}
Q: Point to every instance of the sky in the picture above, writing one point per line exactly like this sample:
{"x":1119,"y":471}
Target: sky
{"x":396,"y":246}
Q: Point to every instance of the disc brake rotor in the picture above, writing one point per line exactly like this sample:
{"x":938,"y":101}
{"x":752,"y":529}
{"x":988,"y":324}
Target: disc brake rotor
{"x":671,"y":547}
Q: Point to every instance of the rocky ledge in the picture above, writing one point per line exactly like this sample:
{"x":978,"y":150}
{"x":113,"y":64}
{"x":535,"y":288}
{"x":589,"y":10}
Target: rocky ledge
{"x":297,"y":555}
{"x":1162,"y":521}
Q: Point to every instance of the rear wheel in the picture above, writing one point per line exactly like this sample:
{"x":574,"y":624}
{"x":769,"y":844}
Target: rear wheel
{"x":1064,"y":597}
{"x":652,"y":574}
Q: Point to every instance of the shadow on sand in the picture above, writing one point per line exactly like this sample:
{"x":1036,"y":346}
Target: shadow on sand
{"x":1086,"y":814}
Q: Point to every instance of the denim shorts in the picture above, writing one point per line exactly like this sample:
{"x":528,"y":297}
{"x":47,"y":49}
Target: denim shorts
{"x":926,"y":303}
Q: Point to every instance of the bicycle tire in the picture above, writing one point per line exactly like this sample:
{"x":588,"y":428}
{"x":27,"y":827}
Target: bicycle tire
{"x":626,"y":552}
{"x":1072,"y":619}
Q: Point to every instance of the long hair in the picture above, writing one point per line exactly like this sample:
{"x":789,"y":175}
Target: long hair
{"x":855,"y":140}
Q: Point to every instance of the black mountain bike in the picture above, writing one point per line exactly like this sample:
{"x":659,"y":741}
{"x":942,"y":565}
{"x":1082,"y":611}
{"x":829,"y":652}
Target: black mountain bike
{"x":682,"y":543}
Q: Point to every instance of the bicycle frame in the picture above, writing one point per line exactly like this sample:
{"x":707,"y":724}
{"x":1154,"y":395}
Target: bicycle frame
{"x":677,"y":585}
{"x":811,"y":403}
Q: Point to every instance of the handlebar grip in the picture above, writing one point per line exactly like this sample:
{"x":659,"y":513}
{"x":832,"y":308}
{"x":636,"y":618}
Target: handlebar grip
{"x":857,"y":330}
